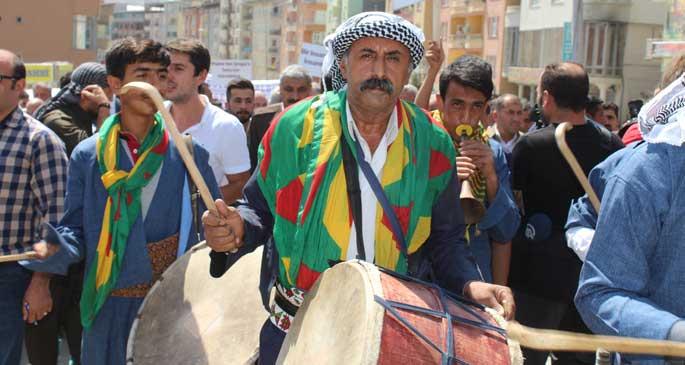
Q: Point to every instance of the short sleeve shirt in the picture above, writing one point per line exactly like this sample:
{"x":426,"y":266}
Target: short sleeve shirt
{"x":223,"y":136}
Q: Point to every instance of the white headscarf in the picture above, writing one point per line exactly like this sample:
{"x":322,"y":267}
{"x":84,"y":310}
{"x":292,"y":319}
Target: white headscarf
{"x":662,"y":119}
{"x":369,"y":24}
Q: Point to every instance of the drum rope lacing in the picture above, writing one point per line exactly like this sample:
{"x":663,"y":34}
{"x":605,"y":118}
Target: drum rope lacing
{"x":448,"y":356}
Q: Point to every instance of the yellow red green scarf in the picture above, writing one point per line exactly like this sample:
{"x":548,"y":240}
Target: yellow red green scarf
{"x":303,"y":180}
{"x":121,"y":210}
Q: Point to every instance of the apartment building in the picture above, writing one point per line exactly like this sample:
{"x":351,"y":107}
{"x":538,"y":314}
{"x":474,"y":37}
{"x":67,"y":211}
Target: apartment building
{"x":609,"y":42}
{"x":304,"y":21}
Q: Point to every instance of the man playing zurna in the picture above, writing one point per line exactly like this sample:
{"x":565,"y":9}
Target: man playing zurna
{"x":339,"y":154}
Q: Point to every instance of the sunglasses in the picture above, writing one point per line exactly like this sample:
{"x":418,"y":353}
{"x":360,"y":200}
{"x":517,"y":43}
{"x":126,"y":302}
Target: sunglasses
{"x":3,"y":77}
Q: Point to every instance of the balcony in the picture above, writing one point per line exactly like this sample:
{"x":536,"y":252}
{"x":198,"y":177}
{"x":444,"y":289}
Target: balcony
{"x":456,"y":41}
{"x":474,"y":41}
{"x":465,"y":41}
{"x":467,"y":6}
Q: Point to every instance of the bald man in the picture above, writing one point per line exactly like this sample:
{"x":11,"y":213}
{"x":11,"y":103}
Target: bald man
{"x":544,"y":271}
{"x":30,"y":153}
{"x":42,"y":91}
{"x":260,"y":100}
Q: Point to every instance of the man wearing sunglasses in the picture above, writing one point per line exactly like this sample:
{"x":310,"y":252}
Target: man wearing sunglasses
{"x":33,"y":170}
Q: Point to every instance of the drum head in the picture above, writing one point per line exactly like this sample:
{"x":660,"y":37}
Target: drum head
{"x":352,"y":335}
{"x":191,"y":318}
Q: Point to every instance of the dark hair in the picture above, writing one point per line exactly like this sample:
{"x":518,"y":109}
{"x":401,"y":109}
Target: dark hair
{"x":239,"y":83}
{"x":594,"y":105}
{"x":198,"y":53}
{"x":18,"y":69}
{"x":65,"y":80}
{"x":569,"y":87}
{"x":469,"y":71}
{"x":128,"y":51}
{"x":611,"y":106}
{"x":634,"y":107}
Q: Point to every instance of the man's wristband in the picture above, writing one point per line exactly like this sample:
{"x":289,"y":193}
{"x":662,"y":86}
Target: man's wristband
{"x":104,"y":105}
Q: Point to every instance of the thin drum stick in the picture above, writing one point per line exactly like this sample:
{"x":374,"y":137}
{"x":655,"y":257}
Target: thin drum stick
{"x":29,"y":255}
{"x":560,"y":136}
{"x":552,"y":340}
{"x":170,"y":125}
{"x":152,"y":92}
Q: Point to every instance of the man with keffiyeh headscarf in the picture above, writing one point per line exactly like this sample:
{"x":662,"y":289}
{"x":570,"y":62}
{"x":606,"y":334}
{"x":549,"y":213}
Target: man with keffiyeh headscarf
{"x":79,"y":105}
{"x":352,"y":173}
{"x":632,"y":281}
{"x":128,"y":209}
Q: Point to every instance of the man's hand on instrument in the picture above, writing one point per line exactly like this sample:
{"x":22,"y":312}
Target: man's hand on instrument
{"x":224,"y":229}
{"x":37,"y":299}
{"x":465,"y":167}
{"x":44,"y":249}
{"x":497,"y":297}
{"x":481,"y":155}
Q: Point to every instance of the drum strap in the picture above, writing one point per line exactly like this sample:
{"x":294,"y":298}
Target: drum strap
{"x":380,"y":196}
{"x":353,"y":195}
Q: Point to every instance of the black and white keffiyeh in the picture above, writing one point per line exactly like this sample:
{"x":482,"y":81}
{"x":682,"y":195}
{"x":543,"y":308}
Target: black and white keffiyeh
{"x":662,"y":119}
{"x":370,"y":24}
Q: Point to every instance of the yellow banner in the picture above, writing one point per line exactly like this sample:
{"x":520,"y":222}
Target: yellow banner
{"x":39,"y":72}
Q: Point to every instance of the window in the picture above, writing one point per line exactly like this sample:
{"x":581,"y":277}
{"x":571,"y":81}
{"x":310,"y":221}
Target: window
{"x":557,"y":2}
{"x":492,"y":27}
{"x":534,"y":3}
{"x":604,"y":44}
{"x":511,"y":47}
{"x":83,"y":32}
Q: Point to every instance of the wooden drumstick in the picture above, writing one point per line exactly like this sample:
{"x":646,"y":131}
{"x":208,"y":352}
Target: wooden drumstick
{"x":170,"y":125}
{"x":552,"y":340}
{"x":29,"y":255}
{"x":560,"y":136}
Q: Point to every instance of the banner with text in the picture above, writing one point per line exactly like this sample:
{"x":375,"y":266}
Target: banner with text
{"x":311,"y":57}
{"x":223,"y":71}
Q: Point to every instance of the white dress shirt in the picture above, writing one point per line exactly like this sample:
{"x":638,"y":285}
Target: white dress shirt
{"x":368,"y":198}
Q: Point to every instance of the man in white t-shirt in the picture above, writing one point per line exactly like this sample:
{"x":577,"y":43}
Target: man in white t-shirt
{"x":218,"y":131}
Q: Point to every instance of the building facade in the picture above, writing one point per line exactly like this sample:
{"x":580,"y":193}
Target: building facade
{"x":609,"y":37}
{"x":56,"y":30}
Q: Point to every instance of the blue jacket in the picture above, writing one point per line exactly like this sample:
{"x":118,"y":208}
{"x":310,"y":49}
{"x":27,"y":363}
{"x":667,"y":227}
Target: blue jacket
{"x":86,"y":196}
{"x":632,"y":281}
{"x":582,"y":213}
{"x":502,"y":218}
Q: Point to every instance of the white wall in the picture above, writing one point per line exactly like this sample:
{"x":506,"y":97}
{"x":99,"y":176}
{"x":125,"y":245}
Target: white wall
{"x":546,"y":15}
{"x":636,"y":11}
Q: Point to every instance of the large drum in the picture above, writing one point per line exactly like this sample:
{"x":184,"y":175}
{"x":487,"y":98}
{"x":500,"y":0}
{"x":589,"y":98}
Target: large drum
{"x":190,"y":318}
{"x":357,"y":314}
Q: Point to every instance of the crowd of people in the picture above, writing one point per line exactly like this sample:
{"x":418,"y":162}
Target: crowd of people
{"x":461,"y":187}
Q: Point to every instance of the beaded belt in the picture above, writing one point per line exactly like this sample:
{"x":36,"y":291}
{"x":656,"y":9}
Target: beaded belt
{"x":285,"y":306}
{"x":162,"y":255}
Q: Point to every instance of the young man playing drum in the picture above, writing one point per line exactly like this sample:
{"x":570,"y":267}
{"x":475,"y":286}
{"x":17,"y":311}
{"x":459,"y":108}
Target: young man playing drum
{"x":329,"y":165}
{"x":125,"y":192}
